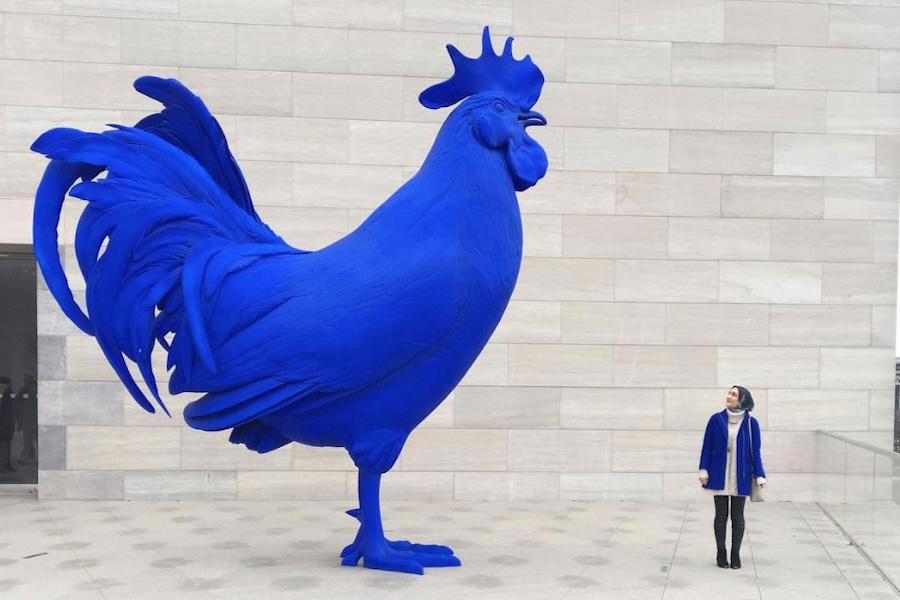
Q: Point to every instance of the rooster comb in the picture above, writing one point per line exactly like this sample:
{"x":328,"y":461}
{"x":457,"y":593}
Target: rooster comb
{"x":518,"y":80}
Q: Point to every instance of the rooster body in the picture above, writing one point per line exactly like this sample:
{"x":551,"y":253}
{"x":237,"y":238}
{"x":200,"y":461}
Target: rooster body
{"x":352,"y":345}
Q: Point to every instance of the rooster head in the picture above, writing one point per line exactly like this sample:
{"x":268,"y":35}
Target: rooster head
{"x":499,"y":92}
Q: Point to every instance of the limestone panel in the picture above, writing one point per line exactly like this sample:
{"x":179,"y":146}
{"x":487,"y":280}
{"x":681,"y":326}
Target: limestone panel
{"x":491,"y":367}
{"x":664,"y":366}
{"x":361,"y":14}
{"x":809,"y":410}
{"x":611,"y":408}
{"x":828,"y":155}
{"x":888,"y":164}
{"x":666,"y":281}
{"x":456,"y":450}
{"x":87,"y":85}
{"x":466,"y":15}
{"x":580,"y":104}
{"x":529,"y":321}
{"x":800,"y":68}
{"x":581,"y":18}
{"x":399,"y":53}
{"x":613,"y":323}
{"x":344,"y":96}
{"x":655,"y":451}
{"x":735,"y":153}
{"x":571,"y":192}
{"x":776,"y":24}
{"x":864,"y":27}
{"x":81,"y":485}
{"x":153,"y":9}
{"x":667,"y":107}
{"x":178,"y":43}
{"x":690,"y":408}
{"x":824,"y":241}
{"x":53,"y":37}
{"x":766,"y":367}
{"x":723,"y":239}
{"x":410,"y":487}
{"x":543,"y":235}
{"x":614,"y":237}
{"x":864,"y":113}
{"x":618,"y":61}
{"x":773,"y":197}
{"x":120,"y":448}
{"x":512,"y":487}
{"x":820,"y":326}
{"x":668,"y":194}
{"x":299,"y":49}
{"x":291,"y":139}
{"x":639,"y":150}
{"x":611,"y":487}
{"x":270,"y":183}
{"x":775,"y":110}
{"x":384,"y":143}
{"x":180,"y":485}
{"x":859,"y":283}
{"x":560,"y":451}
{"x":211,"y":451}
{"x":717,"y":324}
{"x":276,"y":485}
{"x":266,"y":12}
{"x":560,"y":364}
{"x":673,"y":20}
{"x":579,"y":279}
{"x":80,"y":403}
{"x":884,"y":327}
{"x":241,"y":92}
{"x":314,"y":458}
{"x":344,"y":186}
{"x":889,"y":71}
{"x":865,"y":199}
{"x":723,"y":65}
{"x":786,"y":452}
{"x":502,"y":407}
{"x":857,"y":368}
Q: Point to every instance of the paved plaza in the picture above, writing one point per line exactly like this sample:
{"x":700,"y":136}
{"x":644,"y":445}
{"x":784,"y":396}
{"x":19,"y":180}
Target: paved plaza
{"x":73,"y":550}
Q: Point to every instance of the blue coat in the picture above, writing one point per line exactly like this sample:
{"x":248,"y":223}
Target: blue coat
{"x":714,"y":455}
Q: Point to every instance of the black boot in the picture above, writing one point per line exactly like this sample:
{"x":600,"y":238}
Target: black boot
{"x":737,"y":530}
{"x":719,"y":524}
{"x":721,"y":560}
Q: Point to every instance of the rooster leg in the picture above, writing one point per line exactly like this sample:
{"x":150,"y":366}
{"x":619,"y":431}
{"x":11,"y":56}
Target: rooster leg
{"x":379,"y":553}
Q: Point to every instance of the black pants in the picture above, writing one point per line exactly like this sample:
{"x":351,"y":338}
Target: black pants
{"x":737,"y":520}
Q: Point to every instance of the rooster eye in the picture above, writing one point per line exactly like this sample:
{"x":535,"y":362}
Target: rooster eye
{"x":499,"y":106}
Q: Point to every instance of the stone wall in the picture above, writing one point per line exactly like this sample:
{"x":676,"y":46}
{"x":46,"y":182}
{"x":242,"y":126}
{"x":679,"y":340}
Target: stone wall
{"x":721,"y":208}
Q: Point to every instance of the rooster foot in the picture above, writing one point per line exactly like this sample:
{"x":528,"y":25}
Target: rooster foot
{"x":399,"y":555}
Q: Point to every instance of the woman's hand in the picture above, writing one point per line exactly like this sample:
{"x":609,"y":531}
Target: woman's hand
{"x":705,"y":480}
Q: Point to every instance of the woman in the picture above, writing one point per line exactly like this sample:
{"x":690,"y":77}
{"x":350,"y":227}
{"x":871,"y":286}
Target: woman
{"x":728,"y":461}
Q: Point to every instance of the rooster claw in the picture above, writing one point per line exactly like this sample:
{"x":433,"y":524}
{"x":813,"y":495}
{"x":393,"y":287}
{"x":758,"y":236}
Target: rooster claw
{"x":400,"y":556}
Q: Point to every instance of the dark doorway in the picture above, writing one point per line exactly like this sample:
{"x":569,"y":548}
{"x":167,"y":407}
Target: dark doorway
{"x":18,"y":365}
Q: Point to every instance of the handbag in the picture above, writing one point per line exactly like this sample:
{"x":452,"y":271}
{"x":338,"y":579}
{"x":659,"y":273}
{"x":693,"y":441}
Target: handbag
{"x":757,"y":494}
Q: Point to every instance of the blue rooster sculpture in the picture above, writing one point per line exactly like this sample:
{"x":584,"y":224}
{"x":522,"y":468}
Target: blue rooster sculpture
{"x":350,"y":346}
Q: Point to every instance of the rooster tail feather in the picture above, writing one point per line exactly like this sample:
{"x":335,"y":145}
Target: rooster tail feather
{"x":187,"y":124}
{"x":51,"y":193}
{"x":143,"y":245}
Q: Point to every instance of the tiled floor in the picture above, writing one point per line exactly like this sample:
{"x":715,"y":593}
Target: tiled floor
{"x":561,"y":551}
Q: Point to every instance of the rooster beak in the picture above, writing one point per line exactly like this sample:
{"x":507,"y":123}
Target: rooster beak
{"x":532,"y":118}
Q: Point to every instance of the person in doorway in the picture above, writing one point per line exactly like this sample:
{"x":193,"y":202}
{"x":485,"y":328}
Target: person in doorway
{"x":27,"y":418}
{"x":729,"y":459}
{"x":7,"y":425}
